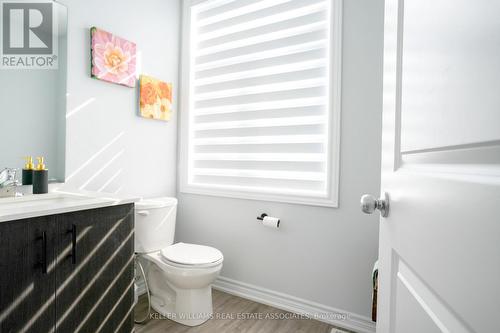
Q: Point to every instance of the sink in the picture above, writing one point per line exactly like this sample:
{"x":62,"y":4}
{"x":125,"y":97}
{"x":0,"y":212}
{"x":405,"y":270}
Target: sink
{"x":9,"y":192}
{"x":26,"y":201}
{"x":32,"y":205}
{"x":58,"y":202}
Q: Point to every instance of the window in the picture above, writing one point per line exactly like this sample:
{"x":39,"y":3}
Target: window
{"x":260,"y":101}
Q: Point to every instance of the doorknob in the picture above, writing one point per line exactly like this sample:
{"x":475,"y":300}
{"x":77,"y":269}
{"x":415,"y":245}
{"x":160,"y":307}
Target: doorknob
{"x":369,"y":203}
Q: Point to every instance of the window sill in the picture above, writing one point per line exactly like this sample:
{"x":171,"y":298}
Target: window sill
{"x":273,"y":197}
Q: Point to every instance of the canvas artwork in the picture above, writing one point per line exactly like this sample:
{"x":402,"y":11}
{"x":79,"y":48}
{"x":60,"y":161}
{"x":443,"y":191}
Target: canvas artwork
{"x":113,"y":58}
{"x":155,"y":98}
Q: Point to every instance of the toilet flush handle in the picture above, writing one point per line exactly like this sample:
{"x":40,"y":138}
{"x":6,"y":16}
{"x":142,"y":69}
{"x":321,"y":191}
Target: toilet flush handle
{"x":143,"y":212}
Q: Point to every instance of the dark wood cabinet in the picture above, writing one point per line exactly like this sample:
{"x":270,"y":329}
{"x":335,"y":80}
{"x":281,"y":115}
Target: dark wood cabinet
{"x":94,"y":278}
{"x":68,"y":273}
{"x":27,"y":280}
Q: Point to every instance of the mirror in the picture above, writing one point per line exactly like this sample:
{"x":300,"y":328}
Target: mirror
{"x":33,"y":85}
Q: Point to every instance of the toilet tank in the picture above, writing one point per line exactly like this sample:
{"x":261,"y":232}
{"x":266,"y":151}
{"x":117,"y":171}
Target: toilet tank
{"x":154,"y":224}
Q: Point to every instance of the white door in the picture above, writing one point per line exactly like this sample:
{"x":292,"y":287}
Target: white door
{"x":440,"y":245}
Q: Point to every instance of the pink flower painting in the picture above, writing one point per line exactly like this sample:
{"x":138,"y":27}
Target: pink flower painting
{"x":113,"y":58}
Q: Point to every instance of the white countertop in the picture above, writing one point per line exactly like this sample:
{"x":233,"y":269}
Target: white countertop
{"x":57,"y":201}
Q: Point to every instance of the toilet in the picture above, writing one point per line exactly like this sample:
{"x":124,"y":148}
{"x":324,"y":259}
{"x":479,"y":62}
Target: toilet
{"x":179,"y":275}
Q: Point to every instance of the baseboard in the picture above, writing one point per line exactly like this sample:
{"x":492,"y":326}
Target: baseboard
{"x":338,"y":330}
{"x":332,"y":316}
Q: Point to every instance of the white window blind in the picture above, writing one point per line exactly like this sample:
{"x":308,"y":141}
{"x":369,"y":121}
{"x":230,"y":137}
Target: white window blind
{"x":260,"y":99}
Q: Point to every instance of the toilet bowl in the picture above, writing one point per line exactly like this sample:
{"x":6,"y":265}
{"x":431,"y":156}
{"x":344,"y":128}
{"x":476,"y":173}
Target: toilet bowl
{"x":179,"y":275}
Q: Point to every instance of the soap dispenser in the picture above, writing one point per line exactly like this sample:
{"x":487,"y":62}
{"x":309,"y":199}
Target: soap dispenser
{"x":27,"y":178}
{"x":40,"y":178}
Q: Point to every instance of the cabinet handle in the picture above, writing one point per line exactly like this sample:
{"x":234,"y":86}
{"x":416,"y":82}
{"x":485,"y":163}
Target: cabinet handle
{"x":73,"y":242}
{"x":43,"y":262}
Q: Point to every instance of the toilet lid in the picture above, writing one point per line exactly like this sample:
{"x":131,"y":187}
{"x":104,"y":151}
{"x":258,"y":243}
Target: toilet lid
{"x":191,"y":254}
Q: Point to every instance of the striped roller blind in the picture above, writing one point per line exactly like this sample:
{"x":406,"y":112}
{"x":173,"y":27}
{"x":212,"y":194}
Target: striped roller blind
{"x":259,"y":95}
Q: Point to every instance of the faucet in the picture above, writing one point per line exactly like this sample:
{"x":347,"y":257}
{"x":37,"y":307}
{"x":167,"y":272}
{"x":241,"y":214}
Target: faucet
{"x":9,"y":183}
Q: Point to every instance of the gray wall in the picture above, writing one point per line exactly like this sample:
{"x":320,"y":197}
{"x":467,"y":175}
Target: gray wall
{"x":319,"y":254}
{"x":108,"y":147}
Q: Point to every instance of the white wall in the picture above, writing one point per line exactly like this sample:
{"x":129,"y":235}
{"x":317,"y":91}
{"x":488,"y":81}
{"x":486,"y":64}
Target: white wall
{"x":319,"y":254}
{"x":108,"y":147}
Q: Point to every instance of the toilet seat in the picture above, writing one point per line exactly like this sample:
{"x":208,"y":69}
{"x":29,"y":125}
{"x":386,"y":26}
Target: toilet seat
{"x":191,"y":255}
{"x":190,"y":267}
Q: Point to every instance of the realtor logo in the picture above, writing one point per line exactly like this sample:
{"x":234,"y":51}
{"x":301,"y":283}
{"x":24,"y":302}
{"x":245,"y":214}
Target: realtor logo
{"x":29,"y":35}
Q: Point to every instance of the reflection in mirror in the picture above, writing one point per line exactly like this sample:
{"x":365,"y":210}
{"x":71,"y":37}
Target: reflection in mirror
{"x":33,"y":94}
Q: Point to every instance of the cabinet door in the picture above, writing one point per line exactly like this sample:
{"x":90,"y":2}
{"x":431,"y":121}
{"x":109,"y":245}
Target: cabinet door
{"x":95,"y":275}
{"x":27,"y":275}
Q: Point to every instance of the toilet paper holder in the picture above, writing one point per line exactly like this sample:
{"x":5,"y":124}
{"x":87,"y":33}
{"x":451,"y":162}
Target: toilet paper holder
{"x":275,"y":224}
{"x":261,"y":217}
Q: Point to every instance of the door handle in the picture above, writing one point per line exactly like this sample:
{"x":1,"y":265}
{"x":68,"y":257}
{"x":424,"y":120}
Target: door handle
{"x":43,"y":262}
{"x":369,"y":204}
{"x":73,"y":243}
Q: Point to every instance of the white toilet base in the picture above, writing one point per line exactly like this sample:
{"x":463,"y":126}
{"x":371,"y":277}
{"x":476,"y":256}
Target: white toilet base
{"x":189,"y":307}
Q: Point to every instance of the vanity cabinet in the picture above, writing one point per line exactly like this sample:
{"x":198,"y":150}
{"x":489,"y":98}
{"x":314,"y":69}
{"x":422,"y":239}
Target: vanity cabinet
{"x":27,"y":290}
{"x":71,"y":272}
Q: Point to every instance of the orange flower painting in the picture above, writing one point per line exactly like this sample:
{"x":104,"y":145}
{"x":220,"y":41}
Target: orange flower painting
{"x":155,"y":98}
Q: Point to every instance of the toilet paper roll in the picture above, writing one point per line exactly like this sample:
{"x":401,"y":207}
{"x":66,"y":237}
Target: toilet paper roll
{"x":271,"y":222}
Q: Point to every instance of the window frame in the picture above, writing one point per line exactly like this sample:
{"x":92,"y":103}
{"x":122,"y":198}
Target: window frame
{"x":334,"y":113}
